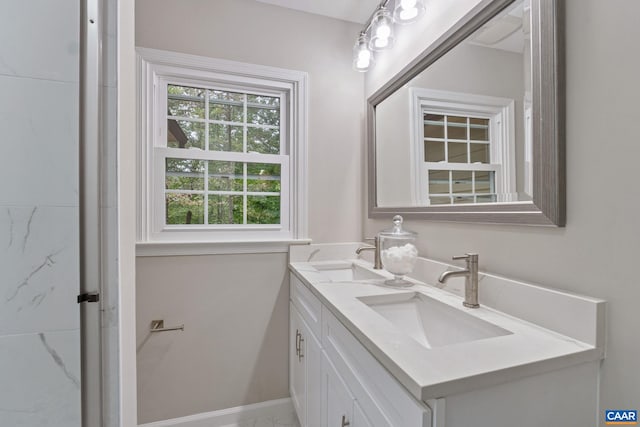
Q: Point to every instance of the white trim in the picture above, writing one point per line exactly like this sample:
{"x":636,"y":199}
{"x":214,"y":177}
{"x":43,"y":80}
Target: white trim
{"x":438,"y":411}
{"x":127,"y":130}
{"x":154,"y":63}
{"x":528,"y":145}
{"x":502,"y":146}
{"x":148,"y":249}
{"x":156,"y":192}
{"x":280,"y":409}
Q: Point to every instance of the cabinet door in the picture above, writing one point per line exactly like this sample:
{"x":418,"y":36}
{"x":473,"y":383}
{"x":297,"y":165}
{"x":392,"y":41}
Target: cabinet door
{"x":359,"y":418}
{"x":297,"y":380}
{"x":337,"y":408}
{"x":312,"y":353}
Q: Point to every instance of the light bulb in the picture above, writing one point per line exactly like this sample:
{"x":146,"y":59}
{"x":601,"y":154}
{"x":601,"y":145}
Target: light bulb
{"x":408,"y":13}
{"x":381,"y":43}
{"x":408,"y":4}
{"x":362,"y":63}
{"x":383,"y":31}
{"x":364,"y":56}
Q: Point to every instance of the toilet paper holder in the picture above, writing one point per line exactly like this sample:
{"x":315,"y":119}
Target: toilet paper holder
{"x":158,"y":326}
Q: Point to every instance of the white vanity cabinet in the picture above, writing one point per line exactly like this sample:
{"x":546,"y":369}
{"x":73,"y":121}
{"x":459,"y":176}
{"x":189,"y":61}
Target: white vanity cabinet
{"x":334,"y":380}
{"x":340,"y":407}
{"x":529,"y":356}
{"x":359,"y":419}
{"x":381,"y":400}
{"x":304,"y":370}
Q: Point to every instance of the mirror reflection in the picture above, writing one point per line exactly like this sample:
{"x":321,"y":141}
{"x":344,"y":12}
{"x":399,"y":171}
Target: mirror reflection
{"x":460,"y":132}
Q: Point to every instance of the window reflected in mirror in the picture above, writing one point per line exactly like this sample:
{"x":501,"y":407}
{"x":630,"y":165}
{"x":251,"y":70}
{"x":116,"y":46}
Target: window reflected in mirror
{"x":459,"y":132}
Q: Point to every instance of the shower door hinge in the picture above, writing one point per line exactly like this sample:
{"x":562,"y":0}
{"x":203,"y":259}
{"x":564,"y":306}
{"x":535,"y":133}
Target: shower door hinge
{"x":89,"y":297}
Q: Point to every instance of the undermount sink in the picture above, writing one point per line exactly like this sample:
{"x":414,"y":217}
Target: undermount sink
{"x":431,"y":322}
{"x":346,"y":272}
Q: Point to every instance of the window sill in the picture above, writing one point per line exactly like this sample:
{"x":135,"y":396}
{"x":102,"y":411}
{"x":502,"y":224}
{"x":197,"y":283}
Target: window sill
{"x":151,"y":249}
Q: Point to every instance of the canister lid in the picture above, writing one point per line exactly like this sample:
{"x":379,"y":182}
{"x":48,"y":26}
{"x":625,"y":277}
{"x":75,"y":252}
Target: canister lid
{"x":397,"y":231}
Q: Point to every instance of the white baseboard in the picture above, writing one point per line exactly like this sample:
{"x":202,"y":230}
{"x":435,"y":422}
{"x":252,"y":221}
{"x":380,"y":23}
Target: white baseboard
{"x":279,"y":413}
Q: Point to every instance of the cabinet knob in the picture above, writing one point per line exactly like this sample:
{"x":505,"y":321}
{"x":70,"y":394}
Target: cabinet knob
{"x":298,"y":343}
{"x":345,"y":422}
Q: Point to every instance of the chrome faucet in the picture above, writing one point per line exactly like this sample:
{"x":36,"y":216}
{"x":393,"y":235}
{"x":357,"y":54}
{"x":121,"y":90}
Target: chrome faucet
{"x":470,"y":279}
{"x":377,"y":261}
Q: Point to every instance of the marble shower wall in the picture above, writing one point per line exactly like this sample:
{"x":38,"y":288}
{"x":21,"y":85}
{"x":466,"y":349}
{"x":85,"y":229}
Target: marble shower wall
{"x":39,"y":316}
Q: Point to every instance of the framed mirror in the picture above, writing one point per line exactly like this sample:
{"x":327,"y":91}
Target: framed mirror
{"x":473,"y":129}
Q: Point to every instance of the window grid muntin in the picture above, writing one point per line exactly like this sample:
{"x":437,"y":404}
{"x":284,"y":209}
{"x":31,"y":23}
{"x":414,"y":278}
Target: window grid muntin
{"x":245,"y":124}
{"x":468,"y":126}
{"x":452,"y":195}
{"x":244,"y":193}
{"x":457,"y":166}
{"x":216,"y":155}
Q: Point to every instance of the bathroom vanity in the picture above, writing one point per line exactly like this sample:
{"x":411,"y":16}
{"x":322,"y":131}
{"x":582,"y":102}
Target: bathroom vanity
{"x":366,"y":354}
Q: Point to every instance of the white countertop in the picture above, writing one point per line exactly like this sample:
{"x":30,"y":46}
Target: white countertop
{"x":429,"y":373}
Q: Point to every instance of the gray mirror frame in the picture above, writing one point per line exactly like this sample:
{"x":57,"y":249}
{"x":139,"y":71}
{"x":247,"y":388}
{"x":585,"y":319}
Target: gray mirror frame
{"x":548,"y":207}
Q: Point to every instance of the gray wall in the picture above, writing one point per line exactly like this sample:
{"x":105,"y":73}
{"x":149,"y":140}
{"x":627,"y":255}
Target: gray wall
{"x":221,"y":362}
{"x":233,"y":350}
{"x":596,"y":253}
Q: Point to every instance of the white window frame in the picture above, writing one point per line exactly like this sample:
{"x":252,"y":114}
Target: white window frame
{"x":528,"y":144}
{"x":161,"y":152}
{"x":501,"y":113}
{"x":158,"y":68}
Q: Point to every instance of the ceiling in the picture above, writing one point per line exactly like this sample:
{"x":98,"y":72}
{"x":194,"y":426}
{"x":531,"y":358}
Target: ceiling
{"x":347,"y":10}
{"x":506,"y":31}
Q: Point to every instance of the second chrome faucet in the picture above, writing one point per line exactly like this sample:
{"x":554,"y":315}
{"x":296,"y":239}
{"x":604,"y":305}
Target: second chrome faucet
{"x":470,"y":279}
{"x":377,"y":261}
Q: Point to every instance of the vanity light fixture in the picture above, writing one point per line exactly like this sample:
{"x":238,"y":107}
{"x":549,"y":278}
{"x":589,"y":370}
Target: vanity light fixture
{"x":378,"y":32}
